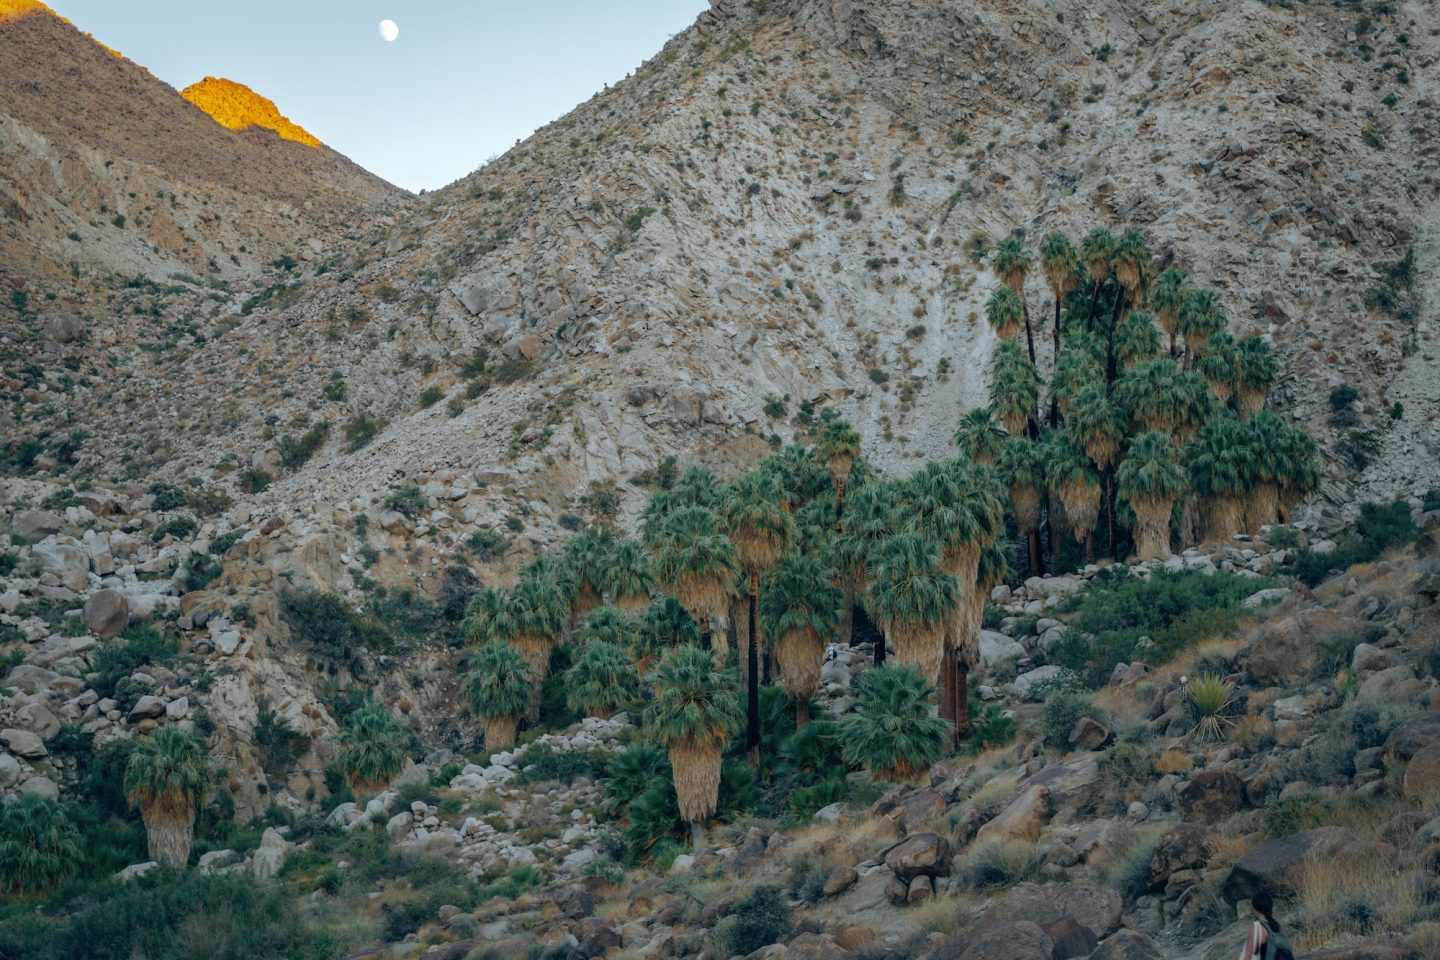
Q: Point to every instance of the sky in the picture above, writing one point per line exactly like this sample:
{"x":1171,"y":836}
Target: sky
{"x":463,"y":82}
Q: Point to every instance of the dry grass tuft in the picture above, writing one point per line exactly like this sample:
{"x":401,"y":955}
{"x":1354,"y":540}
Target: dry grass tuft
{"x":1226,"y":849}
{"x":1371,"y":894}
{"x":946,"y":913}
{"x":1173,"y":760}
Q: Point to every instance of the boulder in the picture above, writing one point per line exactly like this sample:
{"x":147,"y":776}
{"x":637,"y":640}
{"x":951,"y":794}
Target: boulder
{"x":1212,"y":795}
{"x":1070,"y":937}
{"x":136,"y":870}
{"x":107,"y":613}
{"x":270,"y":856}
{"x":595,"y":944}
{"x":42,"y":787}
{"x":920,"y":889}
{"x":999,"y":652}
{"x":1089,"y":735}
{"x":1270,"y":866}
{"x":30,"y":678}
{"x":923,"y":855}
{"x":218,"y":860}
{"x":816,"y":946}
{"x":1096,"y":908}
{"x":23,"y":743}
{"x":910,"y":807}
{"x":67,"y":562}
{"x":1422,"y":776}
{"x":1185,"y":846}
{"x":1419,"y":731}
{"x":840,"y":879}
{"x":1127,"y":945}
{"x":1390,"y":686}
{"x":32,"y":526}
{"x":1023,"y":684}
{"x":147,"y":708}
{"x":9,"y":770}
{"x":1285,"y":649}
{"x":1018,"y":940}
{"x":37,"y":717}
{"x":1023,"y":819}
{"x":65,"y":328}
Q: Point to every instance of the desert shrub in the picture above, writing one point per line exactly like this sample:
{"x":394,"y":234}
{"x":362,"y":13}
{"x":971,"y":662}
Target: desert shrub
{"x":1301,"y":810}
{"x":224,"y":542}
{"x":278,"y":742}
{"x":1127,"y":861}
{"x":758,"y":920}
{"x":1062,"y":710}
{"x":406,"y":612}
{"x":807,"y":882}
{"x":178,"y":527}
{"x":1333,"y":651}
{"x":431,"y":396}
{"x":200,"y":570}
{"x":1284,"y":538}
{"x":360,"y":430}
{"x":1431,"y":501}
{"x":325,"y":624}
{"x":1002,"y":863}
{"x":116,"y":659}
{"x":295,"y":451}
{"x":1378,"y":528}
{"x":542,"y":763}
{"x":1126,"y":764}
{"x":1371,"y":725}
{"x":487,"y":544}
{"x":251,"y":480}
{"x":167,"y":497}
{"x":407,"y":501}
{"x":991,"y":726}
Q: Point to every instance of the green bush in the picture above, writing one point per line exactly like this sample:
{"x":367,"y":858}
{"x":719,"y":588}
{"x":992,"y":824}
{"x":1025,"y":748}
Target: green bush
{"x":360,"y":430}
{"x":544,"y":764}
{"x":758,"y":920}
{"x":116,"y":659}
{"x":431,"y":396}
{"x":1301,"y":810}
{"x":1062,"y":710}
{"x":178,"y":527}
{"x":1127,"y":864}
{"x":295,"y":451}
{"x":1002,"y":863}
{"x":279,"y":743}
{"x":991,"y":726}
{"x":487,"y":544}
{"x":324,"y":623}
{"x":200,"y":570}
{"x":251,"y":480}
{"x":407,"y":501}
{"x":167,"y":497}
{"x":1378,"y":528}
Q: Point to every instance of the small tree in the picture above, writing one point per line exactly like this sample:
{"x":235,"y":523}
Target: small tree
{"x":167,"y":776}
{"x":372,"y":750}
{"x":39,"y":847}
{"x":497,"y":687}
{"x":892,"y":732}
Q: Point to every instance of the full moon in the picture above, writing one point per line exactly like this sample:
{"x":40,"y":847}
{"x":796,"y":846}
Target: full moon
{"x":389,"y":30}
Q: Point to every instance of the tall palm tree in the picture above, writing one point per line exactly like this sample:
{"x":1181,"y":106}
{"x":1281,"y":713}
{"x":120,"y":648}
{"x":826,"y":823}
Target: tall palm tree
{"x":1167,"y":296}
{"x":1201,"y":317}
{"x":1220,"y":472}
{"x":1004,"y":312}
{"x":1151,"y":480}
{"x":1255,"y":372}
{"x":801,"y":607}
{"x":601,"y":680}
{"x":1022,"y":466}
{"x":497,"y":689}
{"x":1071,"y":473}
{"x":1075,"y":366}
{"x":979,"y":438}
{"x":1299,"y":473}
{"x":1137,"y":338}
{"x":487,"y":617}
{"x":608,"y":625}
{"x":892,"y":732}
{"x":39,"y":847}
{"x":802,"y":478}
{"x":1095,"y":423}
{"x":838,"y":445}
{"x":627,"y":577}
{"x":759,"y":527}
{"x":870,"y":521}
{"x":698,"y":563}
{"x":372,"y":749}
{"x":1131,"y":259}
{"x":167,"y":776}
{"x":694,"y":714}
{"x":1014,"y":387}
{"x":696,"y":487}
{"x":1061,"y":263}
{"x":1218,"y":366}
{"x":588,"y":557}
{"x":664,"y":626}
{"x":911,"y":597}
{"x":1097,"y":250}
{"x":540,"y":608}
{"x":1263,"y":437}
{"x":1158,"y":395}
{"x":1011,"y":263}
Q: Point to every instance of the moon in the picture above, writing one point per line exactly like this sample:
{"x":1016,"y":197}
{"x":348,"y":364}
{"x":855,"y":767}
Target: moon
{"x":389,"y":30}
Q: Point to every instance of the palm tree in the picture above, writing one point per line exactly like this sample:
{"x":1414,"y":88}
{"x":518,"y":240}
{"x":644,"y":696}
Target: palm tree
{"x":1137,"y":338}
{"x":627,"y":577}
{"x":487,"y":617}
{"x":39,"y":847}
{"x":1220,"y":472}
{"x":664,"y":626}
{"x":892,"y":732}
{"x":1011,"y":263}
{"x":838,"y":444}
{"x":693,"y":716}
{"x":602,"y":679}
{"x":697,"y":487}
{"x":373,"y":749}
{"x":1014,"y":387}
{"x":588,"y":558}
{"x":871,"y":520}
{"x":1094,"y":422}
{"x":801,"y":608}
{"x":1298,"y":472}
{"x":608,"y":625}
{"x":979,"y":438}
{"x":1022,"y":465}
{"x":1097,"y":250}
{"x":698,"y":563}
{"x":1201,"y":317}
{"x":1075,"y":366}
{"x":801,"y":477}
{"x":911,"y":598}
{"x":1004,"y":312}
{"x":1255,"y":371}
{"x":755,"y":522}
{"x":1262,"y":435}
{"x":1061,"y":262}
{"x":497,"y":688}
{"x":540,"y":608}
{"x":167,"y":776}
{"x":1158,"y":395}
{"x":1150,"y":480}
{"x":1131,"y":259}
{"x":1167,"y":296}
{"x":1218,"y":366}
{"x":1071,"y":473}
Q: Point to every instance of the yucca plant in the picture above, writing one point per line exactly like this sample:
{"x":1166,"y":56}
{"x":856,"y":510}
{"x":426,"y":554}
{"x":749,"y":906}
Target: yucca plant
{"x":372,"y":750}
{"x":800,"y":608}
{"x":892,"y":732}
{"x":39,"y":847}
{"x":497,"y":689}
{"x":627,"y":577}
{"x":693,"y":716}
{"x":1151,"y":480}
{"x":1014,"y":387}
{"x":601,"y":680}
{"x":979,"y":437}
{"x":167,"y":776}
{"x":1210,"y":697}
{"x":911,"y":597}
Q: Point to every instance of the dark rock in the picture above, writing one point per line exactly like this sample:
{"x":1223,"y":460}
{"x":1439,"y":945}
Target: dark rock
{"x":1419,"y":731}
{"x":1021,"y":940}
{"x":896,"y":890}
{"x":594,"y":945}
{"x":1071,"y":939}
{"x":1185,"y":846}
{"x":65,"y":328}
{"x":925,"y":854}
{"x":921,"y":888}
{"x":107,"y":613}
{"x":1127,"y":945}
{"x":840,"y":880}
{"x":816,"y":946}
{"x":1095,"y":908}
{"x":1089,"y":735}
{"x":1212,"y":795}
{"x":576,"y":903}
{"x":1422,"y":776}
{"x":910,"y":807}
{"x":1268,"y":867}
{"x":643,"y":895}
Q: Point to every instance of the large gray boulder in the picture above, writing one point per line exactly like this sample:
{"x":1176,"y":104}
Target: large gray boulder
{"x":1128,"y":945}
{"x":925,"y":854}
{"x":107,"y":613}
{"x":66,"y":561}
{"x":32,"y":526}
{"x":23,"y":743}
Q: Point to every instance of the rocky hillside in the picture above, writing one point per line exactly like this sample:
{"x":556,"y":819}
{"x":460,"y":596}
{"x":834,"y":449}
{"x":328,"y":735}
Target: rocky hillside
{"x":237,"y":107}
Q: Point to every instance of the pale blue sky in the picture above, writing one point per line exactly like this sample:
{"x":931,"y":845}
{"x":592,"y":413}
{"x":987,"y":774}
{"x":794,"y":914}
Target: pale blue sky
{"x":465,"y":80}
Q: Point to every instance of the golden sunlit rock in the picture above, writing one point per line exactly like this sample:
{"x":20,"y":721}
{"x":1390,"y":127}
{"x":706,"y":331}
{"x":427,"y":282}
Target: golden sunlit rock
{"x":14,"y":9}
{"x":237,"y":107}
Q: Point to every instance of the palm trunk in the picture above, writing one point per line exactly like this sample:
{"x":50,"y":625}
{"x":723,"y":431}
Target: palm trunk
{"x":879,"y":646}
{"x":944,"y":683}
{"x":752,"y":679}
{"x":499,"y":732}
{"x":697,"y":837}
{"x":962,"y":702}
{"x":169,"y":830}
{"x":1037,"y":556}
{"x":802,"y":713}
{"x":1029,"y":334}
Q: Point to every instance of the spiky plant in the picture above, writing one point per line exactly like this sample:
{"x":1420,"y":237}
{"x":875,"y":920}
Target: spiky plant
{"x":1220,"y":472}
{"x":497,"y":689}
{"x":1014,"y":387}
{"x":979,"y":437}
{"x":1061,"y":263}
{"x":1004,"y":312}
{"x":588,"y":557}
{"x":627,"y":577}
{"x":1167,"y":296}
{"x":1094,"y":422}
{"x":910,"y":597}
{"x":1098,"y":251}
{"x":1255,"y":371}
{"x":800,"y":608}
{"x":1210,"y":697}
{"x":39,"y":847}
{"x":601,"y":680}
{"x":892,"y":732}
{"x":487,"y":617}
{"x":1151,"y":480}
{"x":1131,"y":259}
{"x":698,"y":563}
{"x":694,"y":715}
{"x":1218,"y":366}
{"x":1137,"y":338}
{"x":838,"y":446}
{"x":1201,"y":317}
{"x":1075,"y":366}
{"x":663,"y":627}
{"x":167,"y":776}
{"x":1070,"y":472}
